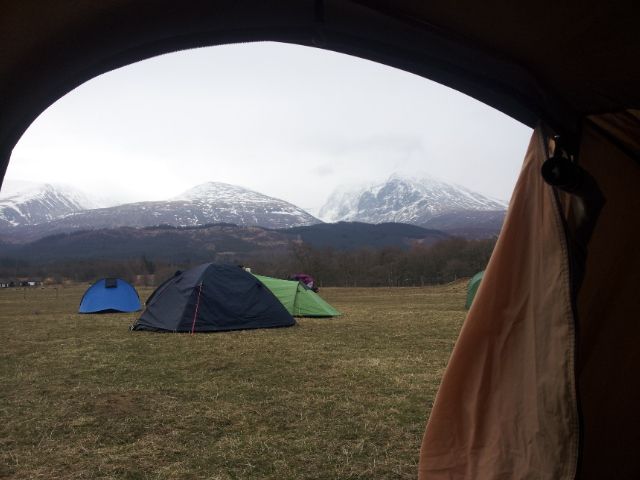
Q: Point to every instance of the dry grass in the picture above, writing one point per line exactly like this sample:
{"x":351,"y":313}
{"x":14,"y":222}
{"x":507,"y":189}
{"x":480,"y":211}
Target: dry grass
{"x":346,"y":398}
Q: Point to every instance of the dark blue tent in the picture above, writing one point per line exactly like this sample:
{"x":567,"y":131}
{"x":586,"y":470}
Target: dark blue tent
{"x":212,"y":298}
{"x":110,"y":295}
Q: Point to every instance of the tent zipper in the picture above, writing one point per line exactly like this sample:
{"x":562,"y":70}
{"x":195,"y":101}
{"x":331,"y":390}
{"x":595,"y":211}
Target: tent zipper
{"x":573,"y":294}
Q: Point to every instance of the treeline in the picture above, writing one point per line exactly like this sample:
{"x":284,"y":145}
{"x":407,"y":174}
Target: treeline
{"x":140,"y":271}
{"x":419,"y":265}
{"x":443,"y":262}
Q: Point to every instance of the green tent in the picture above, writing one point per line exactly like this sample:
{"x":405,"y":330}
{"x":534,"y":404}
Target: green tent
{"x":474,"y":283}
{"x":298,"y":299}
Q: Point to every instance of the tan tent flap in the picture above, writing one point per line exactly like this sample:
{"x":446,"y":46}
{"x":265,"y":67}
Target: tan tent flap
{"x":506,"y":408}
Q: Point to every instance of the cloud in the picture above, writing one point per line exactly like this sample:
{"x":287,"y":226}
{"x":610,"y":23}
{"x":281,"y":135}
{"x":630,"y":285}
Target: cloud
{"x":324,"y":170}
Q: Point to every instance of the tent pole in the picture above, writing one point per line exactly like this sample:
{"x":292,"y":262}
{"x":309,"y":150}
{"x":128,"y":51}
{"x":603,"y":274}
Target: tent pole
{"x":195,"y":315}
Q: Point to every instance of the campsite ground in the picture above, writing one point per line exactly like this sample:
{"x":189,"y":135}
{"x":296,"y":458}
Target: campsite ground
{"x":343,"y":398}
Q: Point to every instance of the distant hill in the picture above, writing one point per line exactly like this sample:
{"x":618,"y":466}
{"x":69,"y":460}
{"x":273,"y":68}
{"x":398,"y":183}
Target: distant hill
{"x":206,"y":243}
{"x":218,"y":242}
{"x":353,"y":235}
{"x":473,"y":224}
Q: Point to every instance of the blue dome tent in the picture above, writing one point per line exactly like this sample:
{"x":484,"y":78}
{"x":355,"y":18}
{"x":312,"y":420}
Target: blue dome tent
{"x":110,"y":295}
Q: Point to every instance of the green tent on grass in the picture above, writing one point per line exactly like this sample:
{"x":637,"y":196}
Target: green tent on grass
{"x":474,"y":283}
{"x":299,"y":300}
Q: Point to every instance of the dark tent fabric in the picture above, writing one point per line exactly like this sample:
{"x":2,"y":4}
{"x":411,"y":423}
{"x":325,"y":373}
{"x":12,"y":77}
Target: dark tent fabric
{"x":532,"y":60}
{"x":110,"y":295}
{"x":538,"y":383}
{"x":212,"y":298}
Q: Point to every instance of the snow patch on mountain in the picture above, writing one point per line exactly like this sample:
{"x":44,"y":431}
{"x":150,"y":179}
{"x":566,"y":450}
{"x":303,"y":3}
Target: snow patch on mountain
{"x":218,"y":191}
{"x":223,"y":202}
{"x":342,"y":204}
{"x":27,"y":203}
{"x":404,"y":199}
{"x":204,"y":204}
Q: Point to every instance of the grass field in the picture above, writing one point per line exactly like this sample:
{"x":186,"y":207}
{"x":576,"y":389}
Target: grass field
{"x":345,"y":398}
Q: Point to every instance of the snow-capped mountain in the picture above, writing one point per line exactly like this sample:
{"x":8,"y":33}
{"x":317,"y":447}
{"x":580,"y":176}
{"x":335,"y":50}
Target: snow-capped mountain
{"x":406,"y":200}
{"x":32,"y":204}
{"x":204,"y":204}
{"x":216,"y":202}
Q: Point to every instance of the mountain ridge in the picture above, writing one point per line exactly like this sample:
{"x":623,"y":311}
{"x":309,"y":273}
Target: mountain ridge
{"x":426,"y":202}
{"x":210,"y":202}
{"x":404,"y":199}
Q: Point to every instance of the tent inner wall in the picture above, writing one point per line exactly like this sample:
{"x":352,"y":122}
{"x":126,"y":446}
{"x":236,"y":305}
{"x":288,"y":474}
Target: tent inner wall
{"x":608,"y":304}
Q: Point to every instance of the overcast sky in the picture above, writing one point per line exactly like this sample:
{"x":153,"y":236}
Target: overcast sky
{"x":288,"y":121}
